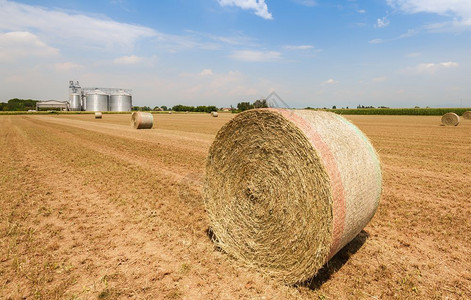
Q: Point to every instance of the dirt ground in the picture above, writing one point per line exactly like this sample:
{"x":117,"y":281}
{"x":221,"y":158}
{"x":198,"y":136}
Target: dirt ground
{"x":94,"y":209}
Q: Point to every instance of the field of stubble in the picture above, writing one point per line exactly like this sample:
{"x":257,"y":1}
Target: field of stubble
{"x":94,"y":209}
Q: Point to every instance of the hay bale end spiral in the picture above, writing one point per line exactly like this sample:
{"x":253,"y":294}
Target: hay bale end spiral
{"x":287,"y":189}
{"x":467,"y":115}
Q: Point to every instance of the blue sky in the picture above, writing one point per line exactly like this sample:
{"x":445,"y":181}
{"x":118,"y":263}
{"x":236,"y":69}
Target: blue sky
{"x":397,"y":53}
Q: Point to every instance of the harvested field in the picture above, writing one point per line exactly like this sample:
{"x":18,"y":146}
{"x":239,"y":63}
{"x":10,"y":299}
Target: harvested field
{"x":92,"y":208}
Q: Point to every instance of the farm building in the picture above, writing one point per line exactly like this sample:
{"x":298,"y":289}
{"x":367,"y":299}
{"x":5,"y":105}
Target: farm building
{"x":52,"y":104}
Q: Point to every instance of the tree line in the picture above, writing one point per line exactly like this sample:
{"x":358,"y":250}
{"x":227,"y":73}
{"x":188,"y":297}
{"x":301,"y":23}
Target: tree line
{"x":16,"y":104}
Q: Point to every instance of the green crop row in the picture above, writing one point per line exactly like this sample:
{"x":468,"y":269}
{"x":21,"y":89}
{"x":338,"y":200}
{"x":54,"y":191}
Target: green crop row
{"x":400,"y":111}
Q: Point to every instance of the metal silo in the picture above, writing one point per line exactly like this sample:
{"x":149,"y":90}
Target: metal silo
{"x":96,"y":101}
{"x":120,"y":101}
{"x":75,"y":102}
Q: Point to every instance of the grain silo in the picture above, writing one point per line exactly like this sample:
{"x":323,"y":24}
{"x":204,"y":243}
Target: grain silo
{"x":96,"y":100}
{"x":75,"y":102}
{"x":120,"y":101}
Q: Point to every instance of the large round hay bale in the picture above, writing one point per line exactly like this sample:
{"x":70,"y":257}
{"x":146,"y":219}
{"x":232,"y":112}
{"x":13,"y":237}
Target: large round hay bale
{"x":286,"y":189}
{"x":142,"y":120}
{"x":98,"y":115}
{"x":450,"y":119}
{"x":467,"y":115}
{"x":214,"y":114}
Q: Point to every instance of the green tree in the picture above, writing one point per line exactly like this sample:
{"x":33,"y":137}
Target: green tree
{"x":16,"y":104}
{"x":262,"y":103}
{"x":242,"y":106}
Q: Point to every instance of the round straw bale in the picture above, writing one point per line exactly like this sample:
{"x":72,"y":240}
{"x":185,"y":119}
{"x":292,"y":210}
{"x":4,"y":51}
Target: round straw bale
{"x":98,"y":115}
{"x":214,"y":114}
{"x":467,"y":115}
{"x":142,"y":120}
{"x":286,"y":189}
{"x":450,"y":119}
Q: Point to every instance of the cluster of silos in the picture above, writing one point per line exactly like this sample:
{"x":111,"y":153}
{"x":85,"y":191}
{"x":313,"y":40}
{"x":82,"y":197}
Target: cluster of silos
{"x":98,"y":100}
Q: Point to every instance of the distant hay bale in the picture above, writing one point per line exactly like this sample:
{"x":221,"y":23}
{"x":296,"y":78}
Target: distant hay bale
{"x":467,"y":115}
{"x":287,"y":189}
{"x":142,"y":120}
{"x":450,"y":119}
{"x":214,"y":114}
{"x":169,"y":112}
{"x":98,"y":115}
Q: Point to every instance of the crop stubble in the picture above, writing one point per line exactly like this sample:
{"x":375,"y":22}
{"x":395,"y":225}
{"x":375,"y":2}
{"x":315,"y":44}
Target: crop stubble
{"x":93,"y":208}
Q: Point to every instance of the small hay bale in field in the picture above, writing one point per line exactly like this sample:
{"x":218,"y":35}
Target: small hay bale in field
{"x":214,"y":114}
{"x":450,"y":119}
{"x":467,"y":115}
{"x":169,"y":112}
{"x":287,"y":189}
{"x":98,"y":115}
{"x":142,"y":120}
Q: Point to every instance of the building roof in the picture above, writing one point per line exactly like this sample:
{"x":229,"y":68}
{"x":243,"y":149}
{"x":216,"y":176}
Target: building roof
{"x":49,"y":102}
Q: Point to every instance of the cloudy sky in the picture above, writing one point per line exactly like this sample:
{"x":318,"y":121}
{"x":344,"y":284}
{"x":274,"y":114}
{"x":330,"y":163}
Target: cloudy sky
{"x":397,"y":53}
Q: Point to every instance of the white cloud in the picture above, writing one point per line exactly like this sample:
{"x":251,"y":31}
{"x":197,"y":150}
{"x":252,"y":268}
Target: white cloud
{"x":309,"y":3}
{"x":299,"y":47}
{"x":255,"y":56}
{"x":259,"y":6}
{"x":361,"y":11}
{"x":409,"y":33}
{"x":431,"y":68}
{"x":67,"y":66}
{"x":449,"y":64}
{"x":128,"y":60}
{"x":329,"y":82}
{"x":237,"y":39}
{"x":18,"y":44}
{"x":206,"y":72}
{"x":381,"y":23}
{"x":66,"y":27}
{"x":376,"y":41}
{"x":455,"y":8}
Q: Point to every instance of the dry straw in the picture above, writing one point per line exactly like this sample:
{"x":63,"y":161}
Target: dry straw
{"x":467,"y":115}
{"x":214,"y":114}
{"x":142,"y":120}
{"x":450,"y":119}
{"x":98,"y":115}
{"x":285,"y":190}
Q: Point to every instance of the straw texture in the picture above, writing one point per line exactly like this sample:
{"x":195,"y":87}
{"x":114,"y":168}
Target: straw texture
{"x":214,"y":114}
{"x":98,"y":115}
{"x":450,"y":119}
{"x":142,"y":120}
{"x":467,"y":115}
{"x":285,"y":190}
